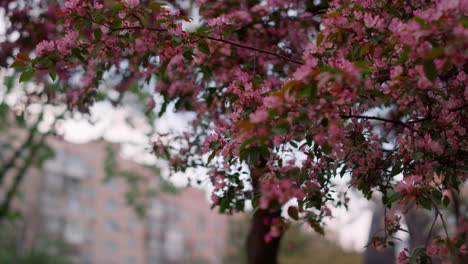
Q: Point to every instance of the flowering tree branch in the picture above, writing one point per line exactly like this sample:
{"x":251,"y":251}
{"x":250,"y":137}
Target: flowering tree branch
{"x":385,"y":120}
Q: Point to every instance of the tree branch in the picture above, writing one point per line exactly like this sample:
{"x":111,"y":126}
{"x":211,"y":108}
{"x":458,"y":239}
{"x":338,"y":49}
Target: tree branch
{"x":248,"y":47}
{"x":210,"y":38}
{"x":432,"y":117}
{"x":16,"y":155}
{"x":5,"y":206}
{"x":397,"y":122}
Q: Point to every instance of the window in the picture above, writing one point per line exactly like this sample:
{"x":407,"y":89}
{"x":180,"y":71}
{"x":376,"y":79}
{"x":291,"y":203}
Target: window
{"x":201,"y":245}
{"x":132,"y":243}
{"x":111,"y":246}
{"x":53,"y":224}
{"x":174,"y":245}
{"x":201,"y":225}
{"x":74,"y":205}
{"x":72,"y":186}
{"x":54,"y":180}
{"x":112,"y":205}
{"x":112,"y":226}
{"x":74,"y":232}
{"x":112,"y":185}
{"x":157,"y":209}
{"x":132,"y":223}
{"x":50,"y":203}
{"x":131,"y":260}
{"x":155,"y":244}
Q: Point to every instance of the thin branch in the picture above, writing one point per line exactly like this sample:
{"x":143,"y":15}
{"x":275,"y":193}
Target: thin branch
{"x":248,"y":47}
{"x":11,"y":162}
{"x":430,"y":231}
{"x":397,"y":122}
{"x":5,"y":206}
{"x":432,"y":117}
{"x":207,"y":37}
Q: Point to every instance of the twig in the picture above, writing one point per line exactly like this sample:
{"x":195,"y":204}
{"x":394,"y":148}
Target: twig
{"x":432,"y":117}
{"x":397,"y":122}
{"x":5,"y":206}
{"x":207,"y":37}
{"x":18,"y":152}
{"x":430,"y":231}
{"x":248,"y":47}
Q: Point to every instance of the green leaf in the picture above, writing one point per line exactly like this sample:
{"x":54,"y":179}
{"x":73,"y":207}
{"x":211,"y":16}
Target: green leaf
{"x":430,"y":70}
{"x":293,"y":212}
{"x":168,"y":187}
{"x":119,"y":6}
{"x":156,"y":6}
{"x":26,"y":76}
{"x":426,"y":203}
{"x":396,"y":169}
{"x":418,"y":156}
{"x":404,"y":55}
{"x":18,"y":63}
{"x":203,"y":47}
{"x":210,"y":158}
{"x":446,"y":201}
{"x":415,"y":255}
{"x":436,"y":52}
{"x":463,"y":20}
{"x":320,"y":38}
{"x":281,"y":129}
{"x":188,"y":55}
{"x":23,"y":56}
{"x":97,"y":33}
{"x":327,"y":149}
{"x":87,"y":22}
{"x":255,"y":201}
{"x":343,"y":170}
{"x":393,"y":198}
{"x":53,"y":75}
{"x":317,"y":227}
{"x":436,"y":195}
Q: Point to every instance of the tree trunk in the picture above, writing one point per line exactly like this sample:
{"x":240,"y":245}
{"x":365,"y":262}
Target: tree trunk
{"x":258,"y":250}
{"x":371,"y":255}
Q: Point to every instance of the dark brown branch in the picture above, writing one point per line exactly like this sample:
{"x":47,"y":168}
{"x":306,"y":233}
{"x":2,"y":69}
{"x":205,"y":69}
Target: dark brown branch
{"x":11,"y":162}
{"x":18,"y":178}
{"x":432,"y":228}
{"x":248,"y":47}
{"x":432,"y":117}
{"x":397,"y":122}
{"x":210,"y":38}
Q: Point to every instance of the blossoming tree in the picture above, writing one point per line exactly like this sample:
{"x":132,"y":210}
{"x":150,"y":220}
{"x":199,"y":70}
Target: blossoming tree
{"x":289,"y":95}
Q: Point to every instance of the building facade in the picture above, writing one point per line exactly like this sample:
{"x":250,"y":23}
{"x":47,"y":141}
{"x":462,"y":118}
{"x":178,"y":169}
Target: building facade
{"x":70,"y":200}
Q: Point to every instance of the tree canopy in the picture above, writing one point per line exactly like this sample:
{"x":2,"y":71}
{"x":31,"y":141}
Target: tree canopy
{"x":288,"y":95}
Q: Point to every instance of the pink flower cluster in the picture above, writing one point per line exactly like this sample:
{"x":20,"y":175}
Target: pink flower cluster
{"x":279,"y":190}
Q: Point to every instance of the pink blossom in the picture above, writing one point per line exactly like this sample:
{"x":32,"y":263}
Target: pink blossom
{"x":218,"y":21}
{"x":177,"y":30}
{"x":72,"y":4}
{"x":373,"y":21}
{"x":259,"y":116}
{"x":132,"y":3}
{"x":44,"y":46}
{"x":403,"y":257}
{"x":97,"y":5}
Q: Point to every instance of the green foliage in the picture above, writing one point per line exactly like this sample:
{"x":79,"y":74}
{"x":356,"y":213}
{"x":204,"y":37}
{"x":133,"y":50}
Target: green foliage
{"x":135,"y":197}
{"x":11,"y":251}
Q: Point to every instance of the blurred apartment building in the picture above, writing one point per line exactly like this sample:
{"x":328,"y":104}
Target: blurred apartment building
{"x":68,"y":200}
